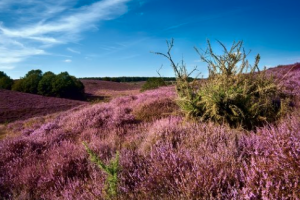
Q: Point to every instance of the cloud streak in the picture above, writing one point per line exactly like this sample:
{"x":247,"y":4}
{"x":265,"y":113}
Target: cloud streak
{"x":73,"y":51}
{"x":60,"y":24}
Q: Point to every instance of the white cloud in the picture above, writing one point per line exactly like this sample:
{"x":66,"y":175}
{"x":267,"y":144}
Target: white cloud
{"x":67,"y":61}
{"x":57,"y":23}
{"x":82,"y":19}
{"x":73,"y":51}
{"x":13,"y":52}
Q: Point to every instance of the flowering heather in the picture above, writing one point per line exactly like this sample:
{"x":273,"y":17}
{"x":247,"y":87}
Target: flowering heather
{"x":162,"y":158}
{"x":289,"y":76}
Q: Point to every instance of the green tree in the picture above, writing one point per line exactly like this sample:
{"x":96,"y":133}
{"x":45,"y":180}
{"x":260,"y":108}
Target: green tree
{"x":18,"y":85}
{"x":45,"y":85}
{"x":67,"y":86}
{"x":5,"y":81}
{"x":30,"y":82}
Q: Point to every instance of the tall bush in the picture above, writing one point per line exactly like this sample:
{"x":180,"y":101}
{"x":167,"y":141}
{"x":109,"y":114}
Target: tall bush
{"x":235,"y":92}
{"x":5,"y":81}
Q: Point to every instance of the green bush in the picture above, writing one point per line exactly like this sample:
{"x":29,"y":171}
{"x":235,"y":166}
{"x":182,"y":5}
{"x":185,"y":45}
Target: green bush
{"x":153,"y":83}
{"x":235,"y":92}
{"x":5,"y":81}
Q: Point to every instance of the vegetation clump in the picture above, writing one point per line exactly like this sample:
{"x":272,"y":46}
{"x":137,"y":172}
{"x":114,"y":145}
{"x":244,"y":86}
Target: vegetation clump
{"x":153,"y":83}
{"x":235,"y":93}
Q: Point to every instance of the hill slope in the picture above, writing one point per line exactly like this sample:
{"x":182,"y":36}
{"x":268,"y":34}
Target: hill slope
{"x":289,"y":75}
{"x":20,"y":106}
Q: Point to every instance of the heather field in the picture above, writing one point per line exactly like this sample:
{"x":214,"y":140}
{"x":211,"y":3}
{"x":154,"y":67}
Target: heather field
{"x":149,"y":150}
{"x":19,"y":106}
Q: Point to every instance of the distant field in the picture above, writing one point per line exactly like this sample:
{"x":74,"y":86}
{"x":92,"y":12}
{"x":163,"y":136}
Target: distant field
{"x":19,"y":106}
{"x":104,"y":90}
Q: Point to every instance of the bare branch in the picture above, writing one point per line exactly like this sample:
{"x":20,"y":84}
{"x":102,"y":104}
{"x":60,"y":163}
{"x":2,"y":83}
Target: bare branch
{"x":157,"y":71}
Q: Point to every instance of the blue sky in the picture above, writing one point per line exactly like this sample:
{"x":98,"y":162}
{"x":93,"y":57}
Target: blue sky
{"x":92,"y":38}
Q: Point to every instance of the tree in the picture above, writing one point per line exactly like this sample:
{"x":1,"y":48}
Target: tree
{"x":18,"y":85}
{"x":48,"y":84}
{"x":5,"y":81}
{"x":67,"y":86}
{"x":45,"y":85}
{"x":29,"y":83}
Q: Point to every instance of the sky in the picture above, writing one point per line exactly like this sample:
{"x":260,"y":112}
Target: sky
{"x":97,"y":38}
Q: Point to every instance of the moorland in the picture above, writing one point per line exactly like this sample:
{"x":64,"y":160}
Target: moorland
{"x":154,"y":144}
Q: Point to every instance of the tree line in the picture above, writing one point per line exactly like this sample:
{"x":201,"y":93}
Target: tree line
{"x":49,"y":84}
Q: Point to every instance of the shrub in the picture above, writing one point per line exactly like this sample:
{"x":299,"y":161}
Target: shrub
{"x":153,"y":83}
{"x":5,"y":81}
{"x":235,"y":92}
{"x":112,"y":170}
